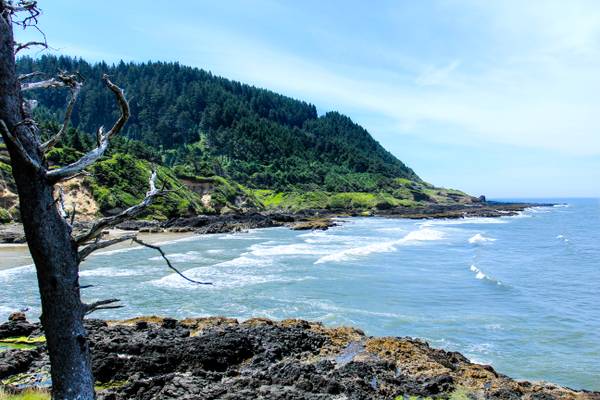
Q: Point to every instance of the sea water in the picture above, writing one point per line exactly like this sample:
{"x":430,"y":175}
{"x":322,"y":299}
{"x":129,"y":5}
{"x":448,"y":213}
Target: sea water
{"x":521,"y":293}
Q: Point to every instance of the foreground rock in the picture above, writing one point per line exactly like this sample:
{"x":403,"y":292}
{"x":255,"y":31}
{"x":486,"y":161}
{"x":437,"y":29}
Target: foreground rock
{"x":219,"y":358}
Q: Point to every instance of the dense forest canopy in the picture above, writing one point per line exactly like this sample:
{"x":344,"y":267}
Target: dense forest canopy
{"x":204,"y":125}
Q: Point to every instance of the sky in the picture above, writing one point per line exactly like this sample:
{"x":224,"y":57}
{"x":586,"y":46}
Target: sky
{"x":500,"y":98}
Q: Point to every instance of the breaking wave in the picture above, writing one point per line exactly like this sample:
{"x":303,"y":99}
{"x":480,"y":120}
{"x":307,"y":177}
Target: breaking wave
{"x":479,"y":238}
{"x":479,"y":274}
{"x":424,"y":234}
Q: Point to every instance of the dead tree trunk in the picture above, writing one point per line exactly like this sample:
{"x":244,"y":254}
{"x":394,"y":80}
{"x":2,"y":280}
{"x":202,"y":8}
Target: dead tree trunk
{"x":56,"y":253}
{"x":48,"y":235}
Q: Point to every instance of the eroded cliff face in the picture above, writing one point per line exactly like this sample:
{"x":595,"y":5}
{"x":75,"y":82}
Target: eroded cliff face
{"x":221,"y":358}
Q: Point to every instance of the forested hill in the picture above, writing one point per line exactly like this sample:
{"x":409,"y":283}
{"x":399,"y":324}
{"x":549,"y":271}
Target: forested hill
{"x":204,"y":125}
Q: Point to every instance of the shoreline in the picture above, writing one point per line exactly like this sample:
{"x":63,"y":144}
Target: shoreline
{"x":16,"y":254}
{"x":12,"y":233}
{"x":219,"y":357}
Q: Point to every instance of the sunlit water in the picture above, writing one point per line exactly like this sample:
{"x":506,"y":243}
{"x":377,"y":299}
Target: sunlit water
{"x":521,"y":293}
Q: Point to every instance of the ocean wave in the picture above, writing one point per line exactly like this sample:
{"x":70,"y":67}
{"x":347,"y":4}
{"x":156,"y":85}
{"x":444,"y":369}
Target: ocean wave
{"x":424,"y":234}
{"x":465,"y":221}
{"x":261,"y":250}
{"x":116,"y":251}
{"x":221,"y":279}
{"x":112,"y":272}
{"x":8,"y":274}
{"x":479,"y":238}
{"x":479,"y":274}
{"x":563,"y":238}
{"x":561,"y":206}
{"x":180,"y":257}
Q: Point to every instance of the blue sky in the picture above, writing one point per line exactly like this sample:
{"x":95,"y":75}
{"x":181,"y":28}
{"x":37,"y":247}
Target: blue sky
{"x":493,"y":97}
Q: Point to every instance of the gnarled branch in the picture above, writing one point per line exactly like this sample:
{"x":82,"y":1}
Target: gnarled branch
{"x":97,"y":245}
{"x":23,"y":46}
{"x":68,"y":171}
{"x":101,"y":305}
{"x":75,"y":87}
{"x":45,"y":84}
{"x":23,"y":77}
{"x":20,"y":148}
{"x":162,"y":253}
{"x":131,"y":212}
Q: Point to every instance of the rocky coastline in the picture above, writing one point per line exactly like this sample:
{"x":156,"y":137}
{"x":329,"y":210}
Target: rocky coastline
{"x":306,"y":219}
{"x":221,"y":358}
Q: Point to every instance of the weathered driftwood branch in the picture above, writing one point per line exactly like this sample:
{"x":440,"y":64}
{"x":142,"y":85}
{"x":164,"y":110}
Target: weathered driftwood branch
{"x":129,"y":213}
{"x":75,"y":87}
{"x":162,"y":253}
{"x":101,"y":305}
{"x":68,"y":171}
{"x":97,"y":245}
{"x":17,"y":143}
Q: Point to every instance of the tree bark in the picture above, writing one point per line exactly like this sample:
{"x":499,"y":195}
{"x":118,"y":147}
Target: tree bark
{"x":52,"y":248}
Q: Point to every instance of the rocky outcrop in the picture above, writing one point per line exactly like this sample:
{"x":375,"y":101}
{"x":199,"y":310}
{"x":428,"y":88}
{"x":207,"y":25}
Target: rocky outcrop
{"x":221,"y":358}
{"x":321,"y":224}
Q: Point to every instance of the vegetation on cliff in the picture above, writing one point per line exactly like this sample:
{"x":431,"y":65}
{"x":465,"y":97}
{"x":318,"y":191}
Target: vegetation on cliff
{"x":220,"y":146}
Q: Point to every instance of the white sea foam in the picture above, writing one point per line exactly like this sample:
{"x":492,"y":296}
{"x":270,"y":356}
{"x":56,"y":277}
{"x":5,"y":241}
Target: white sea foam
{"x":8,"y":274}
{"x":180,"y":257}
{"x":116,"y":251}
{"x":479,"y":274}
{"x":479,"y":238}
{"x":424,"y":234}
{"x":561,"y":205}
{"x":465,"y":221}
{"x":112,"y":272}
{"x":262,"y":250}
{"x":221,"y":278}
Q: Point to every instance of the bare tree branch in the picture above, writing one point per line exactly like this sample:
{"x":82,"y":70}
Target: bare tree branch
{"x":45,"y":84}
{"x":97,"y":245}
{"x":129,"y":213}
{"x":120,"y":96}
{"x":162,"y":253}
{"x":29,"y":75}
{"x":60,"y":204}
{"x":101,"y":305}
{"x":23,"y":46}
{"x":17,"y":143}
{"x":68,"y":171}
{"x":75,"y":87}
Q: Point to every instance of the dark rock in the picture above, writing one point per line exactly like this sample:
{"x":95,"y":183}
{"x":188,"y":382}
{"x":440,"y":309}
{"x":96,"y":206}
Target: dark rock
{"x":17,"y":328}
{"x":219,"y":358}
{"x":17,"y":316}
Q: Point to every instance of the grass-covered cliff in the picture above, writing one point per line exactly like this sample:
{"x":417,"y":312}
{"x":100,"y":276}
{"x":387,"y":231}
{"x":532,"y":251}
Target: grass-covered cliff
{"x":219,"y":146}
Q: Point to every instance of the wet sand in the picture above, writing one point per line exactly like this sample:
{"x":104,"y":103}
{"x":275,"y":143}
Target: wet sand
{"x":17,"y":255}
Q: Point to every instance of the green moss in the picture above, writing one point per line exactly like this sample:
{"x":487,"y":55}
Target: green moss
{"x":110,"y":385}
{"x":4,"y":216}
{"x":32,"y":394}
{"x":5,"y":168}
{"x":21,"y":343}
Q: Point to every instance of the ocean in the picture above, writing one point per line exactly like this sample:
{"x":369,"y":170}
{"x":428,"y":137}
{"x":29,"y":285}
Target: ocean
{"x":520,"y":293}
